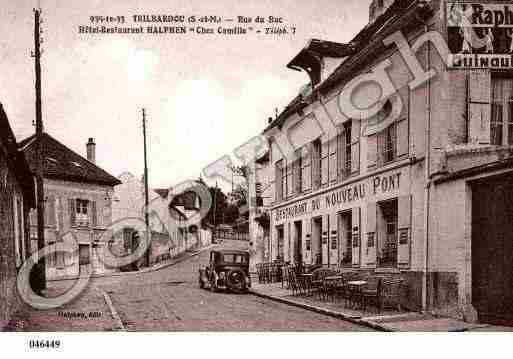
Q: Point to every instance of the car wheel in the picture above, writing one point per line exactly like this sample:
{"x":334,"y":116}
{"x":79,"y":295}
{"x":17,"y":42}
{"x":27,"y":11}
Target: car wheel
{"x":213,"y":286}
{"x":236,"y":281}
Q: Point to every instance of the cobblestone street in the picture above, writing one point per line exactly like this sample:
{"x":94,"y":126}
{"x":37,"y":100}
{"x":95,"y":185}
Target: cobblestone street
{"x":170,"y":300}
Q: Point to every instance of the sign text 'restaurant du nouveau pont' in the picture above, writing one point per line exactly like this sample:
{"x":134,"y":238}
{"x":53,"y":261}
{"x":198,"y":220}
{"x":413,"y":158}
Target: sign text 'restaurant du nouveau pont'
{"x":347,"y":194}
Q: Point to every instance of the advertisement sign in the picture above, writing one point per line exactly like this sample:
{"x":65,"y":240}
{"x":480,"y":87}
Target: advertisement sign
{"x":480,"y":35}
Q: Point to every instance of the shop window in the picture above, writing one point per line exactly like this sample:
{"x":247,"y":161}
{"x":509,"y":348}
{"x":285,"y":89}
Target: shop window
{"x":501,"y":122}
{"x":387,"y":233}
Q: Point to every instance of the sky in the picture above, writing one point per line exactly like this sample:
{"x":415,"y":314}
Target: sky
{"x":205,"y":95}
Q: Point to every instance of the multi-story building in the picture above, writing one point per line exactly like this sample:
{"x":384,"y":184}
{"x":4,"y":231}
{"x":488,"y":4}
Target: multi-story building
{"x":17,"y":197}
{"x":423,"y":188}
{"x":78,"y":200}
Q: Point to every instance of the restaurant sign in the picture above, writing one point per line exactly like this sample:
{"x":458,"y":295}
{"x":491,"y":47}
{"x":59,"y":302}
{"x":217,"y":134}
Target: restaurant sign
{"x":480,"y":35}
{"x":341,"y":196}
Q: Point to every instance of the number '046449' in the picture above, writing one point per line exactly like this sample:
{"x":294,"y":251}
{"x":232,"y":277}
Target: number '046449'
{"x":44,"y":344}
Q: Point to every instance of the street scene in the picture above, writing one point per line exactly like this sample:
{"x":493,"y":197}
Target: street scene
{"x":336,"y":167}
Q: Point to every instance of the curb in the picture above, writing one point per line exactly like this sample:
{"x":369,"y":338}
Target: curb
{"x":113,"y":311}
{"x":328,"y":312}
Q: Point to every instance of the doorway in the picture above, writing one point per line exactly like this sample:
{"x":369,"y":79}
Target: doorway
{"x":345,"y":232}
{"x":84,"y":258}
{"x":492,"y":250}
{"x":316,"y":240}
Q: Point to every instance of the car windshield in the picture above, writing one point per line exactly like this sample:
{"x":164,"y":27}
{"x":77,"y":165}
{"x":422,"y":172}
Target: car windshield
{"x":234,"y":258}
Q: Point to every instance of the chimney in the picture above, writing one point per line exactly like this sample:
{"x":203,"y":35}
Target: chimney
{"x":91,"y":150}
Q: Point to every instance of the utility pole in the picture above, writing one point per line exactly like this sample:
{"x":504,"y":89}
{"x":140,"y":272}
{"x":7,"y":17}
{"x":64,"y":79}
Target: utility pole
{"x":146,"y":198}
{"x":41,"y":266}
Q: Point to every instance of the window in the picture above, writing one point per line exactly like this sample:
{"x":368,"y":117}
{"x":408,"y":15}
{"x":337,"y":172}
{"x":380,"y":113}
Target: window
{"x":390,"y":143}
{"x":501,"y":122}
{"x":82,"y":215}
{"x":234,"y":258}
{"x":387,"y":234}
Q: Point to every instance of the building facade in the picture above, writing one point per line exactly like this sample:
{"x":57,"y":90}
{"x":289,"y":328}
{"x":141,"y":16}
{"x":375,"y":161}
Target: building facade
{"x":78,"y":207}
{"x":426,"y":195}
{"x":17,"y":198}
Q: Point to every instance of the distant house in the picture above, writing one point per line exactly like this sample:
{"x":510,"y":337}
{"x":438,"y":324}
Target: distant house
{"x":17,"y":197}
{"x":78,"y":204}
{"x":168,"y":213}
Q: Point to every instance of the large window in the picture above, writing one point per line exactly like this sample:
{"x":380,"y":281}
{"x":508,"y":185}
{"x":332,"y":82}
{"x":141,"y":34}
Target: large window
{"x":501,"y":123}
{"x":387,"y":233}
{"x":347,"y":149}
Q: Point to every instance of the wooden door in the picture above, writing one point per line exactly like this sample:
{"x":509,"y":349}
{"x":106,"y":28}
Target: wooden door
{"x":492,"y":250}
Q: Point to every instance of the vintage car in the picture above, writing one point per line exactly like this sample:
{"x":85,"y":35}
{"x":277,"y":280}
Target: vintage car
{"x":227,"y":269}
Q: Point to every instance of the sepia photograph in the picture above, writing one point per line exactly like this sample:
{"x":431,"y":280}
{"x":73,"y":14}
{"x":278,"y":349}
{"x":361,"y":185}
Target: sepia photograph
{"x":246,"y":167}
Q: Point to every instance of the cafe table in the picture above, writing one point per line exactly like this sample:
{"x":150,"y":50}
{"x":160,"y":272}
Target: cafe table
{"x":355,"y":288}
{"x":307,"y":281}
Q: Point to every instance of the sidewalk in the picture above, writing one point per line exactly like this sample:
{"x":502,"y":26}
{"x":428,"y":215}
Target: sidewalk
{"x":390,"y":321}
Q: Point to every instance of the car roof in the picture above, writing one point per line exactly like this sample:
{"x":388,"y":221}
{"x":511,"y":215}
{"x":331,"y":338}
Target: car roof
{"x":230,"y":251}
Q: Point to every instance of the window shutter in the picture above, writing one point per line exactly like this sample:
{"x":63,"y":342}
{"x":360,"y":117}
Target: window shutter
{"x":277,"y":181}
{"x":355,"y":146}
{"x":333,"y":160}
{"x":17,"y":254}
{"x":297,"y":171}
{"x":479,"y":93}
{"x":333,"y":239}
{"x":372,"y":150}
{"x":325,"y":238}
{"x":306,"y":163}
{"x":371,"y":235}
{"x":316,"y":161}
{"x":356,"y":236}
{"x":324,"y":163}
{"x":94,"y":214}
{"x":50,"y":211}
{"x":403,"y":232}
{"x":72,"y":212}
{"x":341,"y":143}
{"x":381,"y":137}
{"x":402,"y":124}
